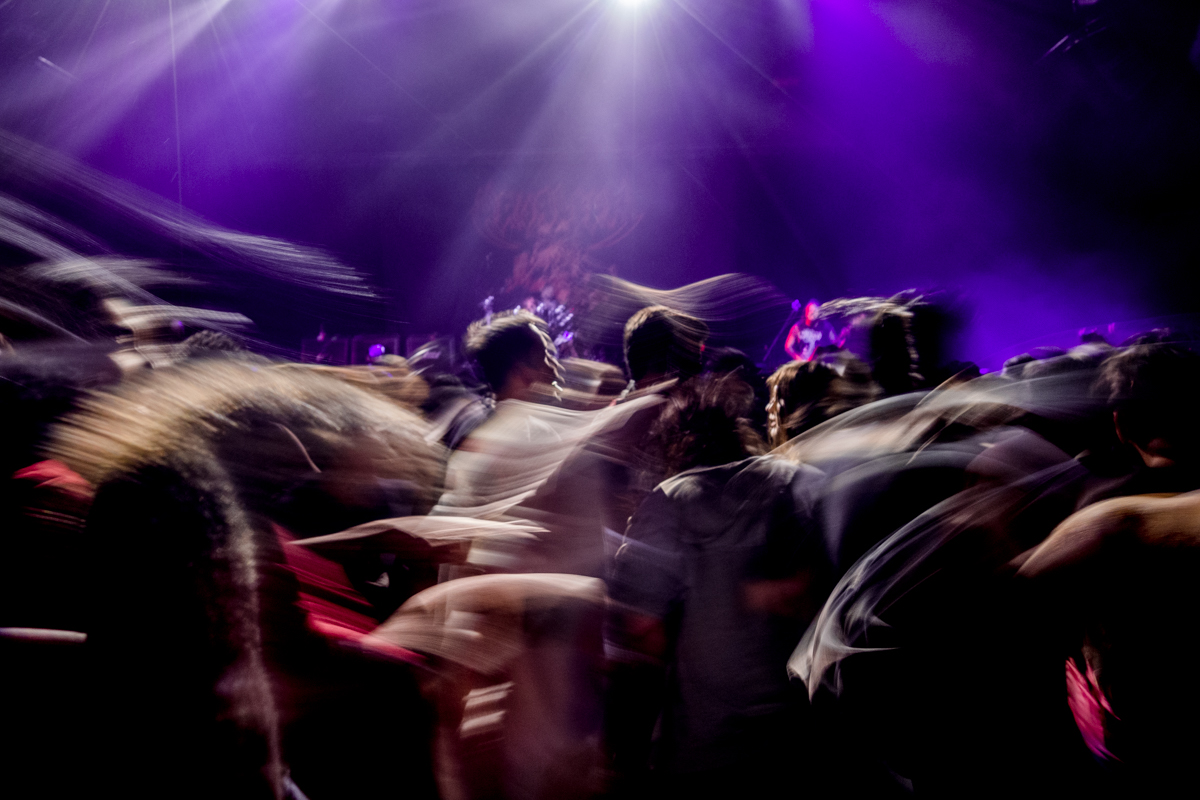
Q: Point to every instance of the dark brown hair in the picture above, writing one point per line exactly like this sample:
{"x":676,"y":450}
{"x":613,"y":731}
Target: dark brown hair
{"x":704,"y":424}
{"x":499,"y":344}
{"x":806,"y":393}
{"x":661,"y":340}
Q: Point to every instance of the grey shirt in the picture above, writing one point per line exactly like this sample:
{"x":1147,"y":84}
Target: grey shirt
{"x":705,"y":553}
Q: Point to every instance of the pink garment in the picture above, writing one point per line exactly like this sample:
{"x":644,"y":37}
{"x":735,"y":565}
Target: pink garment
{"x":52,"y":474}
{"x":54,"y":499}
{"x":1090,"y":708}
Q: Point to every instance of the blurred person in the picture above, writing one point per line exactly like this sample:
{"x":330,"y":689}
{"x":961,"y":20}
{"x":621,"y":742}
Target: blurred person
{"x":803,"y":394}
{"x":452,"y":388}
{"x":937,"y":592}
{"x":570,"y":473}
{"x":154,"y":333}
{"x":1117,"y":583}
{"x":514,"y":667}
{"x":736,"y":306}
{"x":1015,"y":366}
{"x":1151,"y":390}
{"x":902,"y":337}
{"x":505,"y":444}
{"x":517,"y":361}
{"x":515,"y":355}
{"x":724,"y":360}
{"x":979,"y":434}
{"x":730,"y":360}
{"x":215,"y":663}
{"x":662,"y":344}
{"x":866,"y":499}
{"x":809,"y":333}
{"x":720,"y":571}
{"x":545,"y":459}
{"x":663,"y":348}
{"x":530,"y":462}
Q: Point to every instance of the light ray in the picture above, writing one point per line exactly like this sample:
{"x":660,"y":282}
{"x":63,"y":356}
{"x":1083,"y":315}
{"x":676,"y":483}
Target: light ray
{"x":396,"y":84}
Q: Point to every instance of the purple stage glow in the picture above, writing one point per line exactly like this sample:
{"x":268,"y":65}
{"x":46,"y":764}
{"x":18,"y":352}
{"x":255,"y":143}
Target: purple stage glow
{"x":832,"y":147}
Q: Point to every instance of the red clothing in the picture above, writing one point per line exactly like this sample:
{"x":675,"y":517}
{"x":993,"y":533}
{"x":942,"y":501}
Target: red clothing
{"x":331,"y":605}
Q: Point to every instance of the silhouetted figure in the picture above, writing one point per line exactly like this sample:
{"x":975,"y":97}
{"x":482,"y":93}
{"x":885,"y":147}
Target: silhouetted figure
{"x":1117,"y":582}
{"x":903,"y":338}
{"x":720,"y":571}
{"x":731,"y":361}
{"x":662,"y":344}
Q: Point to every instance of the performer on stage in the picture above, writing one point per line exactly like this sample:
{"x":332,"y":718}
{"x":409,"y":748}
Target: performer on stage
{"x":808,"y":334}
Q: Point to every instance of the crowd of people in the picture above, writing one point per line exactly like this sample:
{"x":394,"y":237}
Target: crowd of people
{"x":867,"y":574}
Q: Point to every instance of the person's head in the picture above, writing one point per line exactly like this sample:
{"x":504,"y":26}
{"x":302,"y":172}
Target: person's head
{"x":903,"y":337}
{"x":1153,"y":389}
{"x":662,"y":343}
{"x":514,"y":353}
{"x":731,"y":361}
{"x":704,"y":424}
{"x":806,"y":393}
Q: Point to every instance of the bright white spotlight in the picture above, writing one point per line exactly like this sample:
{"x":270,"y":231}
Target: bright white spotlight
{"x":631,"y":3}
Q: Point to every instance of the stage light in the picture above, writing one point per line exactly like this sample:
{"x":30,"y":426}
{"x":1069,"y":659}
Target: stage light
{"x":631,"y":3}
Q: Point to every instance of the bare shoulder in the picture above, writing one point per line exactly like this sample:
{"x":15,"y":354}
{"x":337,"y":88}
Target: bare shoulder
{"x":1170,"y":521}
{"x":1147,"y":519}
